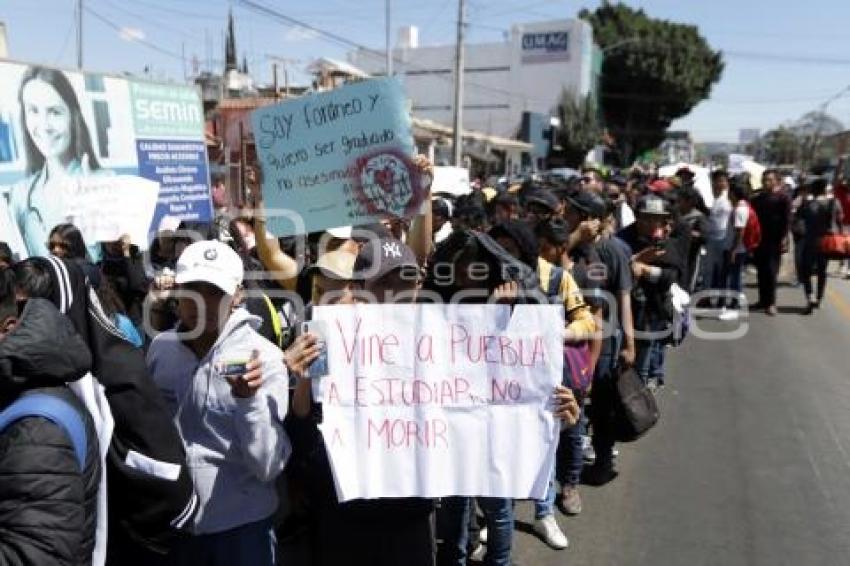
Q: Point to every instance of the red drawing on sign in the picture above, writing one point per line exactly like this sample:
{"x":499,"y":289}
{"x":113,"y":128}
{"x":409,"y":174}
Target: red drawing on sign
{"x":387,"y":183}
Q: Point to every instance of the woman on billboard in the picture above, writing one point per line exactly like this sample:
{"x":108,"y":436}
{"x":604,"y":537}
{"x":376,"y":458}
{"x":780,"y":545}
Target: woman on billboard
{"x":58,"y":149}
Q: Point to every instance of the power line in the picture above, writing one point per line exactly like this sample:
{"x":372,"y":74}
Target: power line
{"x":380,"y":55}
{"x":106,"y":21}
{"x":182,"y":33}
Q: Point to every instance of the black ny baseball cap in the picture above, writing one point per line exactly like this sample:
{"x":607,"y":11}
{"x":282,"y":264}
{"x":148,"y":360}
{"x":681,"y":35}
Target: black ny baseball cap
{"x":380,"y":256}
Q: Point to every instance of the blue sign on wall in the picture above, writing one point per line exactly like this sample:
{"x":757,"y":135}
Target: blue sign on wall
{"x":546,"y":46}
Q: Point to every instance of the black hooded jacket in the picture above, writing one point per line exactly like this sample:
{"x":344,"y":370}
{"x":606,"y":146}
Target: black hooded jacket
{"x":143,"y":507}
{"x":651,"y":299}
{"x":48,"y":509}
{"x":523,"y":236}
{"x":502,"y":267}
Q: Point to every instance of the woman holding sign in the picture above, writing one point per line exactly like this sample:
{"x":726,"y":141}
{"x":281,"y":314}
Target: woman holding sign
{"x":58,"y":149}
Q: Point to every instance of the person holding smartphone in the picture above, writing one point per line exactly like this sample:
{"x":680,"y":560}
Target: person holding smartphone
{"x":227,"y":389}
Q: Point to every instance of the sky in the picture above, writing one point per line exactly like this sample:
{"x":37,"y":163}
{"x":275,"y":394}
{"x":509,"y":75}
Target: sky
{"x":783,"y":57}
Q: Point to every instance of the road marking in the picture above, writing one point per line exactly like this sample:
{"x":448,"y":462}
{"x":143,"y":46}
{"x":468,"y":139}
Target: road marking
{"x":838,"y":301}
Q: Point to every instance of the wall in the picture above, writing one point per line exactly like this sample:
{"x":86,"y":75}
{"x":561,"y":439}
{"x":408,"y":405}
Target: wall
{"x":502,"y":80}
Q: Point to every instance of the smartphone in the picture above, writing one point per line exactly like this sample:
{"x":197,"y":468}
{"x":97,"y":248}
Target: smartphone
{"x":233,"y":368}
{"x":320,"y":366}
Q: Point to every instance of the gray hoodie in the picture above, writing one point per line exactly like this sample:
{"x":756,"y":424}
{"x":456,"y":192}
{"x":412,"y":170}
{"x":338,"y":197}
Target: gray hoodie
{"x":235,"y":447}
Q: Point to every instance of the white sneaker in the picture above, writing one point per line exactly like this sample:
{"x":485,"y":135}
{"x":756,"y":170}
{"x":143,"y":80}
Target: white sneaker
{"x":728,"y":315}
{"x":482,"y":536}
{"x":479,"y":553}
{"x":550,"y":532}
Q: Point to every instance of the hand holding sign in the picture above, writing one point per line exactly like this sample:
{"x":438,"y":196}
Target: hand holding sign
{"x":339,"y":158}
{"x":566,"y":407}
{"x":438,"y":389}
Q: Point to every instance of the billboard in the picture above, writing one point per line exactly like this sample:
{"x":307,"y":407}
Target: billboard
{"x":69,"y":140}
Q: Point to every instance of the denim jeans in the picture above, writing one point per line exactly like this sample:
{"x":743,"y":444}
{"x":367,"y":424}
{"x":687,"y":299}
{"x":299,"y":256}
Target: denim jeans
{"x":452,"y":530}
{"x":649,"y":361}
{"x":714,"y":267}
{"x":603,"y":399}
{"x":570,"y":453}
{"x":736,"y":275}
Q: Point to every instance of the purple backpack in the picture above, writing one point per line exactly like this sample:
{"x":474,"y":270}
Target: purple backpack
{"x":578,"y":373}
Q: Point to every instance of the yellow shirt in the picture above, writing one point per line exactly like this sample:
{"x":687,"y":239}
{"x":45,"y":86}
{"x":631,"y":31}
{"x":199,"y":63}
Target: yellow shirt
{"x":579,"y":318}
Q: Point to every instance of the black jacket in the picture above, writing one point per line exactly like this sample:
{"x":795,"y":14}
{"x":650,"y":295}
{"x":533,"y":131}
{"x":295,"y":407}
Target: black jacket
{"x":502,"y":267}
{"x":127,"y":275}
{"x":143,"y":508}
{"x":651,"y":299}
{"x":48,"y":509}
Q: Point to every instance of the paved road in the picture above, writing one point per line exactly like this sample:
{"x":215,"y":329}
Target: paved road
{"x":749,"y":465}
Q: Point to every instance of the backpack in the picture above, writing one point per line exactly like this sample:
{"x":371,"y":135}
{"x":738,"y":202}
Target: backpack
{"x":635,"y":407}
{"x":56,"y":410}
{"x":578,"y":373}
{"x":751,"y":237}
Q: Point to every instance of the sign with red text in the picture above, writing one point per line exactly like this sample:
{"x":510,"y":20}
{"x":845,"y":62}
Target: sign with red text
{"x":439,"y":400}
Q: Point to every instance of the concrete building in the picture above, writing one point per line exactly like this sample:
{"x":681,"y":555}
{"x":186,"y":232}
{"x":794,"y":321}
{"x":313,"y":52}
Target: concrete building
{"x":526,"y":72}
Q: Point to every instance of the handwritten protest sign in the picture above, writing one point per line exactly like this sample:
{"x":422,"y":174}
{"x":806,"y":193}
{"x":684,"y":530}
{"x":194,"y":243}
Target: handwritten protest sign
{"x":107,"y":207}
{"x":338,"y":158}
{"x":438,"y":400}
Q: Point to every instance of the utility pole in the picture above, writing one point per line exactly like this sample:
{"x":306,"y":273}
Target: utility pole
{"x":457,"y":140}
{"x":79,"y":34}
{"x":389,"y":49}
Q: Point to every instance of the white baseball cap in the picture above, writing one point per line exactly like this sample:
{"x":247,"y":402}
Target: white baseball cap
{"x":210,"y":262}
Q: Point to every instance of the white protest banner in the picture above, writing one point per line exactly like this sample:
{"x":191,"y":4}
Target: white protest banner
{"x":338,"y":158}
{"x":105,"y":208}
{"x":440,"y":400}
{"x":736,"y":162}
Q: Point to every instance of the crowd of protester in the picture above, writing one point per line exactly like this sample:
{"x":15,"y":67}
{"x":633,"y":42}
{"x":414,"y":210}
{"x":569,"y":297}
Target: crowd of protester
{"x":223,"y":463}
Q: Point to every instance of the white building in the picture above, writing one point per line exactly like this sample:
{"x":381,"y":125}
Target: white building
{"x":524,"y":73}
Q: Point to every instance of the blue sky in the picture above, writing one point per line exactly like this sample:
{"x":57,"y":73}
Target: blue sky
{"x":784,"y":57}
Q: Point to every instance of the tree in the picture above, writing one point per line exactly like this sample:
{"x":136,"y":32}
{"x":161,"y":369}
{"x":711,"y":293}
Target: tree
{"x":780,"y":146}
{"x":654,"y":71}
{"x":799,"y":142}
{"x":578,"y":132}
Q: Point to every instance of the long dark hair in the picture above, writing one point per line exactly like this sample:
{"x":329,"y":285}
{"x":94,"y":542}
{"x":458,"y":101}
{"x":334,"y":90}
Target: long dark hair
{"x":80,"y":140}
{"x":72,"y":235}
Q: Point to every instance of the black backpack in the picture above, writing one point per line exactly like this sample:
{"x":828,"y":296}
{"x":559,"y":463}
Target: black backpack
{"x":636,"y":408}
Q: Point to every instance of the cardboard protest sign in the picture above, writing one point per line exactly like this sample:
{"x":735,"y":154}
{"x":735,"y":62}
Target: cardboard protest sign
{"x":106,"y":208}
{"x":439,"y":400}
{"x":337,"y":158}
{"x":59,"y":127}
